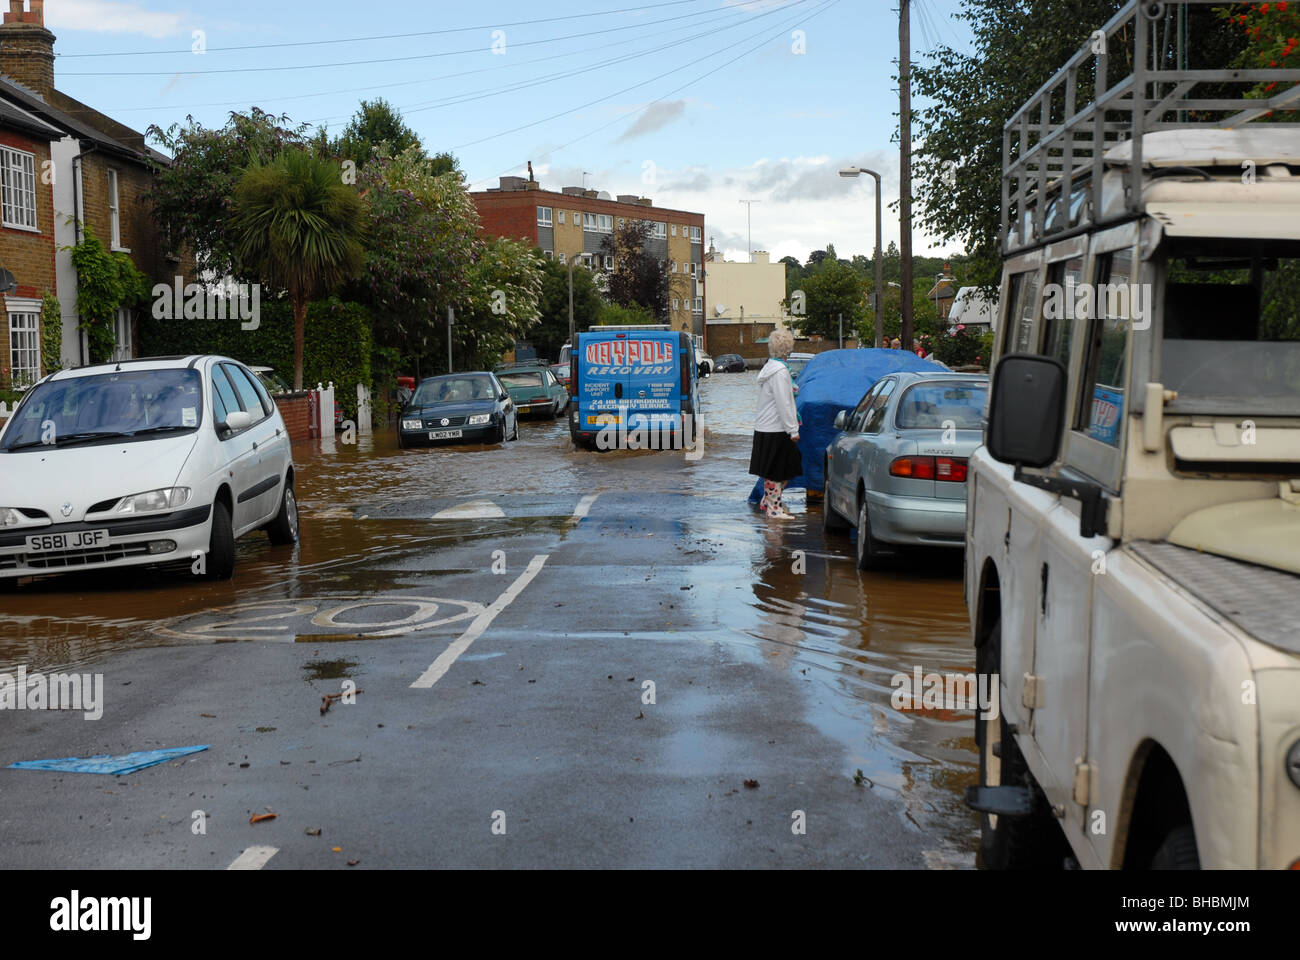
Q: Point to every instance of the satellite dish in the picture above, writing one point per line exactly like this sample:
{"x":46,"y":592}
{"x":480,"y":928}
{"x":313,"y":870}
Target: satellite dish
{"x":7,"y":282}
{"x":604,"y":195}
{"x":719,"y":308}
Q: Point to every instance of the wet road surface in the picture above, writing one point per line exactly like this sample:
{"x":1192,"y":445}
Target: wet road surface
{"x":501,"y":611}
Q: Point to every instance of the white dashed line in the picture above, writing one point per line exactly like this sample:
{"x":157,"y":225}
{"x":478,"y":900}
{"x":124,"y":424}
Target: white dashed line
{"x":477,"y":628}
{"x":473,"y":510}
{"x":584,"y":506}
{"x":254,"y":858}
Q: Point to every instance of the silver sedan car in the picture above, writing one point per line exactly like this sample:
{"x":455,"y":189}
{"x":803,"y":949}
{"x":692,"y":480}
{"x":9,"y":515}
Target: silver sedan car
{"x":898,"y":466}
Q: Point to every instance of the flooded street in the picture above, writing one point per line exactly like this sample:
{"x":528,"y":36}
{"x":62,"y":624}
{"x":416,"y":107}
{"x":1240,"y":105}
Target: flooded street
{"x":577,"y":577}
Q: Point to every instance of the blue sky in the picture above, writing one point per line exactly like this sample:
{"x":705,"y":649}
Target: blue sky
{"x":697,"y":104}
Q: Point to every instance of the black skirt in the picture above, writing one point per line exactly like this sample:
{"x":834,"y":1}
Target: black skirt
{"x":775,"y":457}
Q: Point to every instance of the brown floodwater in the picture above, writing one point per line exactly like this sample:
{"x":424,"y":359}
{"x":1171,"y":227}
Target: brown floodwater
{"x":785,"y":595}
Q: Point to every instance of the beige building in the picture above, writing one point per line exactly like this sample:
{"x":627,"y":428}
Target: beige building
{"x":751,"y":294}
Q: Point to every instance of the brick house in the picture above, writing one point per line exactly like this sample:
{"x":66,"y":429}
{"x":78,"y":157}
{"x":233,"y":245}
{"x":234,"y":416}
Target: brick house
{"x":27,"y":251}
{"x":574,"y":222}
{"x":99,"y":174}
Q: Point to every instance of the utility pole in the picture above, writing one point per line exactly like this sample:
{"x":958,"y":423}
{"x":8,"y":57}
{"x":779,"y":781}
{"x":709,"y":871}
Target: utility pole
{"x":571,"y":331}
{"x":749,"y":210}
{"x":451,"y":318}
{"x":905,"y":168}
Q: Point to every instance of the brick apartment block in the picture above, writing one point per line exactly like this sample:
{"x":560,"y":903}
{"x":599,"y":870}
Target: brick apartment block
{"x":574,"y":222}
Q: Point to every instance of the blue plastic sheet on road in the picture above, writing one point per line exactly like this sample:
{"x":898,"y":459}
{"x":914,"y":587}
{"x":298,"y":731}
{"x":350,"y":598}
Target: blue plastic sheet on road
{"x":114,"y":766}
{"x":833,"y":381}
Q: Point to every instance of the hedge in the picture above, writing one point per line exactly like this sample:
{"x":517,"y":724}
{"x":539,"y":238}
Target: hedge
{"x":336,"y":342}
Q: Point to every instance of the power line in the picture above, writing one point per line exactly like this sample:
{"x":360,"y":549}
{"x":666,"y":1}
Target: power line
{"x":456,"y":99}
{"x":617,"y":93}
{"x":827,"y":4}
{"x":445,"y":76}
{"x":389,"y":36}
{"x":359,"y":63}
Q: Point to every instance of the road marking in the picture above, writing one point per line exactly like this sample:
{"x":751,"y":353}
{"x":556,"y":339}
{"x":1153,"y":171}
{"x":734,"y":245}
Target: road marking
{"x":584,"y":506}
{"x":254,"y":858}
{"x":473,"y":510}
{"x":479,"y":626}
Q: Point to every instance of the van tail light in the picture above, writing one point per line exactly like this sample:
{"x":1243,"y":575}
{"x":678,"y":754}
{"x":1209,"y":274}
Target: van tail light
{"x":947,"y":469}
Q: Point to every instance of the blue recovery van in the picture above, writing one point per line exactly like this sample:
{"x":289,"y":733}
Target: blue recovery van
{"x":633,"y":388}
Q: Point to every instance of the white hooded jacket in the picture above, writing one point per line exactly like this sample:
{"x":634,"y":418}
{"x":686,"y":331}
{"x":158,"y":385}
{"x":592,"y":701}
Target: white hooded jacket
{"x":776,"y":409}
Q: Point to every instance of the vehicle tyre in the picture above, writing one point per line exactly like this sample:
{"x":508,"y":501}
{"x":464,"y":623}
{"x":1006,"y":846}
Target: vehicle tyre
{"x":401,"y":442}
{"x":221,"y":544}
{"x":871,"y":552}
{"x":832,"y":522}
{"x":1177,"y":851}
{"x":283,"y":530}
{"x":500,"y":435}
{"x":515,"y":435}
{"x":555,"y":409}
{"x":1007,"y":843}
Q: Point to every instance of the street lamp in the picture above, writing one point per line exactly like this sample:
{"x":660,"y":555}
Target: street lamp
{"x":876,"y":294}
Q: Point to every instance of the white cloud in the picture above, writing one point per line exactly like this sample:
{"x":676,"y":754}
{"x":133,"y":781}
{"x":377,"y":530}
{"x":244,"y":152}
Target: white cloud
{"x":654,"y":117}
{"x":111,"y":16}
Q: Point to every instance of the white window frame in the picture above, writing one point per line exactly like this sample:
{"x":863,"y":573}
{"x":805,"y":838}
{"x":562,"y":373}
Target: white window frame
{"x":697,"y":235}
{"x":699,"y":304}
{"x":694,"y":265}
{"x":661,"y":230}
{"x":550,"y":254}
{"x":545,"y":217}
{"x":606,"y":223}
{"x":589,"y":222}
{"x":24,"y":347}
{"x":560,"y":213}
{"x":115,"y":212}
{"x":609,"y":262}
{"x":620,"y":223}
{"x":673,"y":266}
{"x":562,"y":258}
{"x":672,"y":229}
{"x":675,"y":303}
{"x":123,"y":348}
{"x":18,"y":180}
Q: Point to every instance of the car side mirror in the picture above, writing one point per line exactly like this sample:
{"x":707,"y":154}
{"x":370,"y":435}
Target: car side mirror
{"x":1026,"y":410}
{"x":841,"y":419}
{"x":234,"y":422}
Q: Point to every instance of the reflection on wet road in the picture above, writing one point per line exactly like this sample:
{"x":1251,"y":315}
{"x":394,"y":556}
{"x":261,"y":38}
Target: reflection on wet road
{"x":396,"y":549}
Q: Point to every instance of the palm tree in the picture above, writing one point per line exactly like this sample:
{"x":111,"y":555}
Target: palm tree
{"x":298,"y":226}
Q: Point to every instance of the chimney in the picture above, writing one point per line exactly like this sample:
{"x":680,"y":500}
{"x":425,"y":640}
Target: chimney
{"x":27,"y":48}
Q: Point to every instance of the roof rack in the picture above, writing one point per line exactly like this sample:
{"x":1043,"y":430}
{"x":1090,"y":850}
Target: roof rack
{"x":1053,"y":146}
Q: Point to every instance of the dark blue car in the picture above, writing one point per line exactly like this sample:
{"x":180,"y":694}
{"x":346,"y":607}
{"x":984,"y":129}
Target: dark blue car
{"x":459,"y":408}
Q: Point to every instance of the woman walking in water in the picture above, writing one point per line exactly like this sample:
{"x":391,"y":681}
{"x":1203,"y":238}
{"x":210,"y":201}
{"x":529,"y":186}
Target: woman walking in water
{"x":776,"y":456}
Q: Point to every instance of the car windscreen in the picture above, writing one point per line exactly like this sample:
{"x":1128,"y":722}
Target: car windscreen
{"x":942,"y":406}
{"x":529,"y":381}
{"x":128,"y":403}
{"x":454,"y":390}
{"x":1231,"y":320}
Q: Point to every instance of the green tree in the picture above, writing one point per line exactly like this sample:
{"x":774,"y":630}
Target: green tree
{"x":552,"y":331}
{"x":832,"y":290}
{"x":505,"y":282}
{"x":106,"y":282}
{"x":299,"y":226}
{"x":192,"y":196}
{"x":637,"y":278}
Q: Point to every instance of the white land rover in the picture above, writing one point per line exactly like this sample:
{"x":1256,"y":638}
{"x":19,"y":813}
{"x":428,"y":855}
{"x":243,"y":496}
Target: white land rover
{"x":1133,"y":522}
{"x":142,"y":462}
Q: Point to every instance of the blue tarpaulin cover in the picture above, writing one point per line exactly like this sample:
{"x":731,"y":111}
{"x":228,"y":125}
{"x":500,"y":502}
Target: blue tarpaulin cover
{"x":127,"y":763}
{"x":833,"y":381}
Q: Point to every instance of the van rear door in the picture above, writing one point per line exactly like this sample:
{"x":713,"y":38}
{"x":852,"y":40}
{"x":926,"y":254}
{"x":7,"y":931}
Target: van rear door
{"x":653,"y":386}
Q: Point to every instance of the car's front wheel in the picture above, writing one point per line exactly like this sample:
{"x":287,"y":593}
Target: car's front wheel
{"x":221,"y":544}
{"x":283,"y":530}
{"x":832,"y":522}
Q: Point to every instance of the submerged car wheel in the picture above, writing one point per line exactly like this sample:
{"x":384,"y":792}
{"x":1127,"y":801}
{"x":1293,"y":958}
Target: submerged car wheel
{"x":515,"y":435}
{"x":283,"y":530}
{"x":870,"y":550}
{"x":1177,"y":851}
{"x":221,"y":544}
{"x":832,"y":522}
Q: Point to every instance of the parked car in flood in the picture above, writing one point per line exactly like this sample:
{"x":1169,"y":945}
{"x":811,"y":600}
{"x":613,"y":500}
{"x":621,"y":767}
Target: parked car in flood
{"x":730,"y":363}
{"x":459,"y":408}
{"x":534,"y":389}
{"x":143,"y":462}
{"x":897,"y":469}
